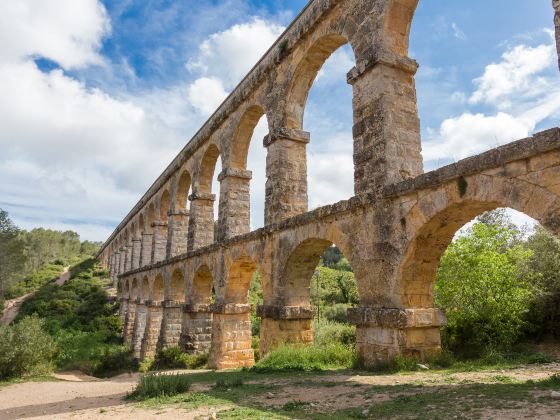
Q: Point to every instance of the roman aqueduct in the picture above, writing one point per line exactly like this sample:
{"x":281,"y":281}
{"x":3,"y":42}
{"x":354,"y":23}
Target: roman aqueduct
{"x":178,"y":285}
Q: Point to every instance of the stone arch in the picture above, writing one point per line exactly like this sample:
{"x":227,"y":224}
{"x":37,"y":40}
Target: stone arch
{"x":182,"y":190}
{"x":158,"y":289}
{"x":243,"y":135}
{"x":397,"y":24}
{"x":177,"y":286}
{"x":202,"y":285}
{"x":144,"y":290}
{"x":132,"y":288}
{"x":150,"y":217}
{"x":207,"y":169}
{"x":164,"y":206}
{"x":434,"y":220}
{"x":306,"y":73}
{"x":240,"y":274}
{"x":140,"y":224}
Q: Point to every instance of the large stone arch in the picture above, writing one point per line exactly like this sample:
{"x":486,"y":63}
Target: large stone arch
{"x":242,"y":137}
{"x":177,"y":286}
{"x":305,"y":74}
{"x":206,"y":169}
{"x":202,"y":285}
{"x":438,"y":215}
{"x":164,"y":205}
{"x":396,"y":25}
{"x":182,"y":190}
{"x":157,"y":293}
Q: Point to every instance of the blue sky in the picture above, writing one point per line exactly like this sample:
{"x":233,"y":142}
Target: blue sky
{"x":98,"y":96}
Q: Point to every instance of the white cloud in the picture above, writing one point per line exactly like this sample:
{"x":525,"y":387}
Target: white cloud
{"x":457,"y":32}
{"x":229,"y":55}
{"x":524,"y":90}
{"x":515,"y":74}
{"x":68,"y":32}
{"x":205,"y":94}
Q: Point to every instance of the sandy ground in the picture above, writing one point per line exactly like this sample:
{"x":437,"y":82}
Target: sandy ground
{"x":12,"y":306}
{"x":78,"y":396}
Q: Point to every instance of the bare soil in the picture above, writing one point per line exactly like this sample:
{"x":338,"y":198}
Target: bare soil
{"x":75,"y":395}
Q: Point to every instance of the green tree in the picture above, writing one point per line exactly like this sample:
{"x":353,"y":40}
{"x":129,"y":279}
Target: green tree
{"x":543,"y":269}
{"x":482,"y":287}
{"x":12,"y":252}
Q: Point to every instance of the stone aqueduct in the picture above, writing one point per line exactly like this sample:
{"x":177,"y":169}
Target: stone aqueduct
{"x":167,"y":265}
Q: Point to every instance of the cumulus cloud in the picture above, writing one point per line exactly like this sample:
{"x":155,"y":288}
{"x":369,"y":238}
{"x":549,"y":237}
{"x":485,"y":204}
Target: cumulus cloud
{"x":65,"y":31}
{"x":206,"y":93}
{"x":230,"y":54}
{"x":523,"y":89}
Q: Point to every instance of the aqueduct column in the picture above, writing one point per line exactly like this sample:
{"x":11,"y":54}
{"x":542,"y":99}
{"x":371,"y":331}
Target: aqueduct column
{"x":286,"y":174}
{"x":386,"y":125}
{"x":136,"y":252}
{"x":122,"y":259}
{"x":231,"y":336}
{"x":201,"y":222}
{"x":159,"y":241}
{"x":154,"y":317}
{"x":285,"y":324}
{"x":146,"y":249}
{"x":128,"y":324}
{"x":170,"y":333}
{"x":235,"y":186}
{"x":178,"y":232}
{"x":196,"y":329}
{"x":128,"y":257}
{"x":139,"y":327}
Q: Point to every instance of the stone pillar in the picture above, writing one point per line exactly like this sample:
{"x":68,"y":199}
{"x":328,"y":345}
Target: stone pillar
{"x":136,"y":253}
{"x":556,"y":5}
{"x":286,"y":174}
{"x":128,"y":256}
{"x":285,"y":325}
{"x":113,"y":267}
{"x":128,"y":324}
{"x":153,"y":326}
{"x":122,"y":260}
{"x":170,"y":333}
{"x":178,"y":233}
{"x":234,"y":214}
{"x":386,"y":125}
{"x":382,"y":334}
{"x":201,"y":222}
{"x":146,"y":251}
{"x":231,"y":337}
{"x":139,"y":327}
{"x":196,"y":330}
{"x":159,"y":241}
{"x":123,"y":308}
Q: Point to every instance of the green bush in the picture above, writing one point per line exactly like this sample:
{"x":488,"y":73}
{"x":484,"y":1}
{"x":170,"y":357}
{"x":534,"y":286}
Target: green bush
{"x":307,"y":358}
{"x":48,"y":274}
{"x":160,"y":385}
{"x":174,"y":358}
{"x":25,"y":348}
{"x":325,"y":332}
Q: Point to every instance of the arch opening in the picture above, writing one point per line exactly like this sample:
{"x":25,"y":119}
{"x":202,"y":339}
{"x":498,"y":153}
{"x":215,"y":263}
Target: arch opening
{"x":158,"y":289}
{"x":203,"y":287}
{"x":177,"y":286}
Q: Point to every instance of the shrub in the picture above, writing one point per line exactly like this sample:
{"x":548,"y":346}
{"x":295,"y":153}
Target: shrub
{"x":25,"y":348}
{"x":326,"y":332}
{"x":174,"y":358}
{"x":307,"y":358}
{"x":153,"y":386}
{"x":224,"y":384}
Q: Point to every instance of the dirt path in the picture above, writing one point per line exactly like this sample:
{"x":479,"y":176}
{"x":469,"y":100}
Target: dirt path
{"x":12,"y":306}
{"x":78,"y":396}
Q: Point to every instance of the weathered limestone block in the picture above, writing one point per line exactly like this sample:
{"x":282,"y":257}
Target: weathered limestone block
{"x":231,"y":337}
{"x":196,"y":331}
{"x":234,"y":203}
{"x":122,"y":259}
{"x":128,"y":258}
{"x":123,"y":308}
{"x":386,"y":125}
{"x":139,"y":328}
{"x":382,"y":334}
{"x":136,"y":253}
{"x":178,"y":232}
{"x":171,"y":325}
{"x":286,"y":172}
{"x":128,"y":324}
{"x":154,"y":319}
{"x":285,"y":325}
{"x":146,"y":251}
{"x":159,"y":241}
{"x":201,"y":222}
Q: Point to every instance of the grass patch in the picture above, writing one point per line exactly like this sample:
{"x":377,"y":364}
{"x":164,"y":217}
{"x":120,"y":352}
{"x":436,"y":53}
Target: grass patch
{"x":158,"y":386}
{"x":307,"y":358}
{"x":227,"y":384}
